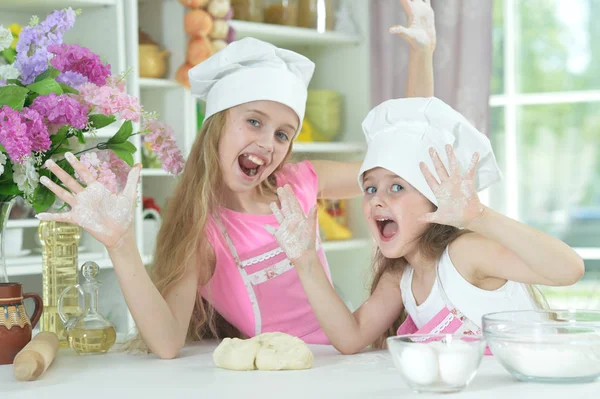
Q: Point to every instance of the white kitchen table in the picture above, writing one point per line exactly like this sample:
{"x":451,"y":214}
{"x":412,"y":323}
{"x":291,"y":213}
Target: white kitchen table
{"x":193,"y":375}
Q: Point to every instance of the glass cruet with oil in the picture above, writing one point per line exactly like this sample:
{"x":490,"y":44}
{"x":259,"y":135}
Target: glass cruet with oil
{"x":88,"y":332}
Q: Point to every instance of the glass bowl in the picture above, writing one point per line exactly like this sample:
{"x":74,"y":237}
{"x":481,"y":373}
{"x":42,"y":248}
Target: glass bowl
{"x":437,"y":362}
{"x":556,"y":346}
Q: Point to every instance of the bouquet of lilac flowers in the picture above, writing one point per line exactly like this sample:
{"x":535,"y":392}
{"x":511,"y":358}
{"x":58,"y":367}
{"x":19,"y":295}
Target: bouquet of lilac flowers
{"x":53,"y":97}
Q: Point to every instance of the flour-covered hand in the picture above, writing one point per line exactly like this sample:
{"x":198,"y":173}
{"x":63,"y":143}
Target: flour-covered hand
{"x":296,"y":233}
{"x":105,"y":215}
{"x":420,"y":29}
{"x":458,"y":202}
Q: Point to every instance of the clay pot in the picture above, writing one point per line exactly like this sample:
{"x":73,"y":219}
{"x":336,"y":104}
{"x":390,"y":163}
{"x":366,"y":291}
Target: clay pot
{"x":152,"y":61}
{"x":15,"y":325}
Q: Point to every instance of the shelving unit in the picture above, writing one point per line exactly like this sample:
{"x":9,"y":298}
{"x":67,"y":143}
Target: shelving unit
{"x":342,"y":64}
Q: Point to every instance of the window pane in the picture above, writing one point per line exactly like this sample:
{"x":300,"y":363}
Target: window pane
{"x":583,"y":295}
{"x":497,"y":137}
{"x":559,"y":170}
{"x":497,"y":84}
{"x":558,"y":45}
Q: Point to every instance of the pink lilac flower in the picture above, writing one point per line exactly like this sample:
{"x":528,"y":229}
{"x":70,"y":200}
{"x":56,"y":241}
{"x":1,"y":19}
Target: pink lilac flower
{"x":74,"y":58}
{"x":32,"y":53}
{"x":110,"y":99}
{"x":13,"y":134}
{"x":61,"y":109}
{"x":107,"y":168}
{"x":161,"y":139}
{"x":36,"y":130}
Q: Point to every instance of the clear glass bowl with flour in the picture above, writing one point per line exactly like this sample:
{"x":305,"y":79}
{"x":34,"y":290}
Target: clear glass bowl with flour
{"x":437,"y":362}
{"x":556,"y":346}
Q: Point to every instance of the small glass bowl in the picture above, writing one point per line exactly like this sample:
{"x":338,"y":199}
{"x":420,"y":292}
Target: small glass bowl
{"x":554,"y":346}
{"x":437,"y":362}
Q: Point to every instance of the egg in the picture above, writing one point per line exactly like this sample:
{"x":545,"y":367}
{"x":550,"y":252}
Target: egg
{"x":419,"y":364}
{"x":457,"y":362}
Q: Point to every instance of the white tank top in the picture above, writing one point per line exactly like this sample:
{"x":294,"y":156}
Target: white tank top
{"x":472,"y":301}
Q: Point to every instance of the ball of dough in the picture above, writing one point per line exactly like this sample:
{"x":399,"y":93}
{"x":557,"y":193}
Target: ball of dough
{"x":236,"y":354}
{"x":267,"y":351}
{"x":279,"y":351}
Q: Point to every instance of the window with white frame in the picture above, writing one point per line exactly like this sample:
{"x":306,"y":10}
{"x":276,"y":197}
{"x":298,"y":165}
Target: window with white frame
{"x":545,"y":126}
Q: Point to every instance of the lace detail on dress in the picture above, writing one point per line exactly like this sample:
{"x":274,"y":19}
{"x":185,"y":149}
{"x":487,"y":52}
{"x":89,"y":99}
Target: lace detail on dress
{"x":262,"y":257}
{"x":439,"y":328}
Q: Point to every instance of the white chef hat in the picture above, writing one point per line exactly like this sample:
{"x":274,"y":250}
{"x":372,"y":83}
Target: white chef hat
{"x":400,"y":132}
{"x":252,"y":70}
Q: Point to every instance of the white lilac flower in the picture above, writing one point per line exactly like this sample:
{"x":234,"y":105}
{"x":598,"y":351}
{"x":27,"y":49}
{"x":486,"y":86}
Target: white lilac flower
{"x":26,"y":176}
{"x":8,"y":72}
{"x":6,"y":38}
{"x":2,"y":162}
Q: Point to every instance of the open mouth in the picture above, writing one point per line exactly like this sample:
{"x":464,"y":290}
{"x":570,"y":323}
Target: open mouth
{"x":388,"y":228}
{"x":250,"y":164}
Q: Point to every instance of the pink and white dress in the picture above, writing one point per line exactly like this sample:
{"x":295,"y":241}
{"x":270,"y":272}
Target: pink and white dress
{"x":254,"y":286}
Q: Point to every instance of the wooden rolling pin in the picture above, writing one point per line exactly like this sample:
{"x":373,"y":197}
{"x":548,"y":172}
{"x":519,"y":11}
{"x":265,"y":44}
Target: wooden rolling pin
{"x":35,"y":358}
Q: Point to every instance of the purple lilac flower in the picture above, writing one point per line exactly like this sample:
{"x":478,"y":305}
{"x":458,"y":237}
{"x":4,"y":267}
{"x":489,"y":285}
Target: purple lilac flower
{"x":13,"y":134}
{"x":73,"y":79}
{"x":72,"y":57}
{"x":36,"y":130}
{"x":61,"y":109}
{"x":32,"y":54}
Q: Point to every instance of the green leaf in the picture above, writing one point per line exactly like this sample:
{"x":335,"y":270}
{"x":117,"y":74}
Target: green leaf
{"x":43,"y":198}
{"x":13,"y":96}
{"x":61,"y":150}
{"x":126,"y":146}
{"x":123,"y":134}
{"x":9,"y":55}
{"x":60,"y":136}
{"x":9,"y":188}
{"x":99,"y":121}
{"x":80,"y":137}
{"x":124,"y":155}
{"x":15,"y":82}
{"x":68,"y":89}
{"x":46,"y":86}
{"x":29,"y":100}
{"x":48,"y":73}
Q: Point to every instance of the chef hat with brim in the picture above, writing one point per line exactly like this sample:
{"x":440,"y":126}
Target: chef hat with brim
{"x":400,"y":132}
{"x":251,"y":70}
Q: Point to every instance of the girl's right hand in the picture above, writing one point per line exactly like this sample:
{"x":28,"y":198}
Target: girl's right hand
{"x":105,"y":215}
{"x":420,"y":32}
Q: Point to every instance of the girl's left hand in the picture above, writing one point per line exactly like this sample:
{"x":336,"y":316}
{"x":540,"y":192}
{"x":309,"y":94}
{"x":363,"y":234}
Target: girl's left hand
{"x":420,"y":32}
{"x":297,"y":233}
{"x":458,"y":203}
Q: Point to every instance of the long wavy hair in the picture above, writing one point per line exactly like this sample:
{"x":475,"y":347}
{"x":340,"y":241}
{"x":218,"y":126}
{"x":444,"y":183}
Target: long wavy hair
{"x":431,"y":246}
{"x":182,"y":239}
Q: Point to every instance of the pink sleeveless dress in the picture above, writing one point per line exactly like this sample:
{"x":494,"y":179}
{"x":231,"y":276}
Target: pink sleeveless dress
{"x":254,"y":286}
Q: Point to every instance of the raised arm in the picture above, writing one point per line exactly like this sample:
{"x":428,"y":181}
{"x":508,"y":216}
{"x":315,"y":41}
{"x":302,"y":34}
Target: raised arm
{"x":162,"y":322}
{"x":348,"y":332}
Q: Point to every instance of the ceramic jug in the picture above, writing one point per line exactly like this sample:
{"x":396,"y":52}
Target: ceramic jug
{"x":15,"y":325}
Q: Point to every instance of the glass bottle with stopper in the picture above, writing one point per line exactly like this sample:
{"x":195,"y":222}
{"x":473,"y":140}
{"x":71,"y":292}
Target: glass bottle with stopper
{"x":88,"y":332}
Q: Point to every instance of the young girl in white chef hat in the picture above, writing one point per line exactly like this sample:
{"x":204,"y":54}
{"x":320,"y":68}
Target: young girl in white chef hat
{"x":442,"y":257}
{"x":216,"y":270}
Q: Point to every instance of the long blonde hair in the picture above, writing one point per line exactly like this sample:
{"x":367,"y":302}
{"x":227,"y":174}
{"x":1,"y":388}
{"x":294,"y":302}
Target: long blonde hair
{"x":431,"y":246}
{"x":182,"y":241}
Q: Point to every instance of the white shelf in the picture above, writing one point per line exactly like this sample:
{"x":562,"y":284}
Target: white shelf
{"x":155,"y":172}
{"x":20,"y":223}
{"x":148,"y":83}
{"x":346,"y":245}
{"x":331,"y":148}
{"x":40,"y":6}
{"x":283,"y":36}
{"x":32,"y":265}
{"x":588,"y":253}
